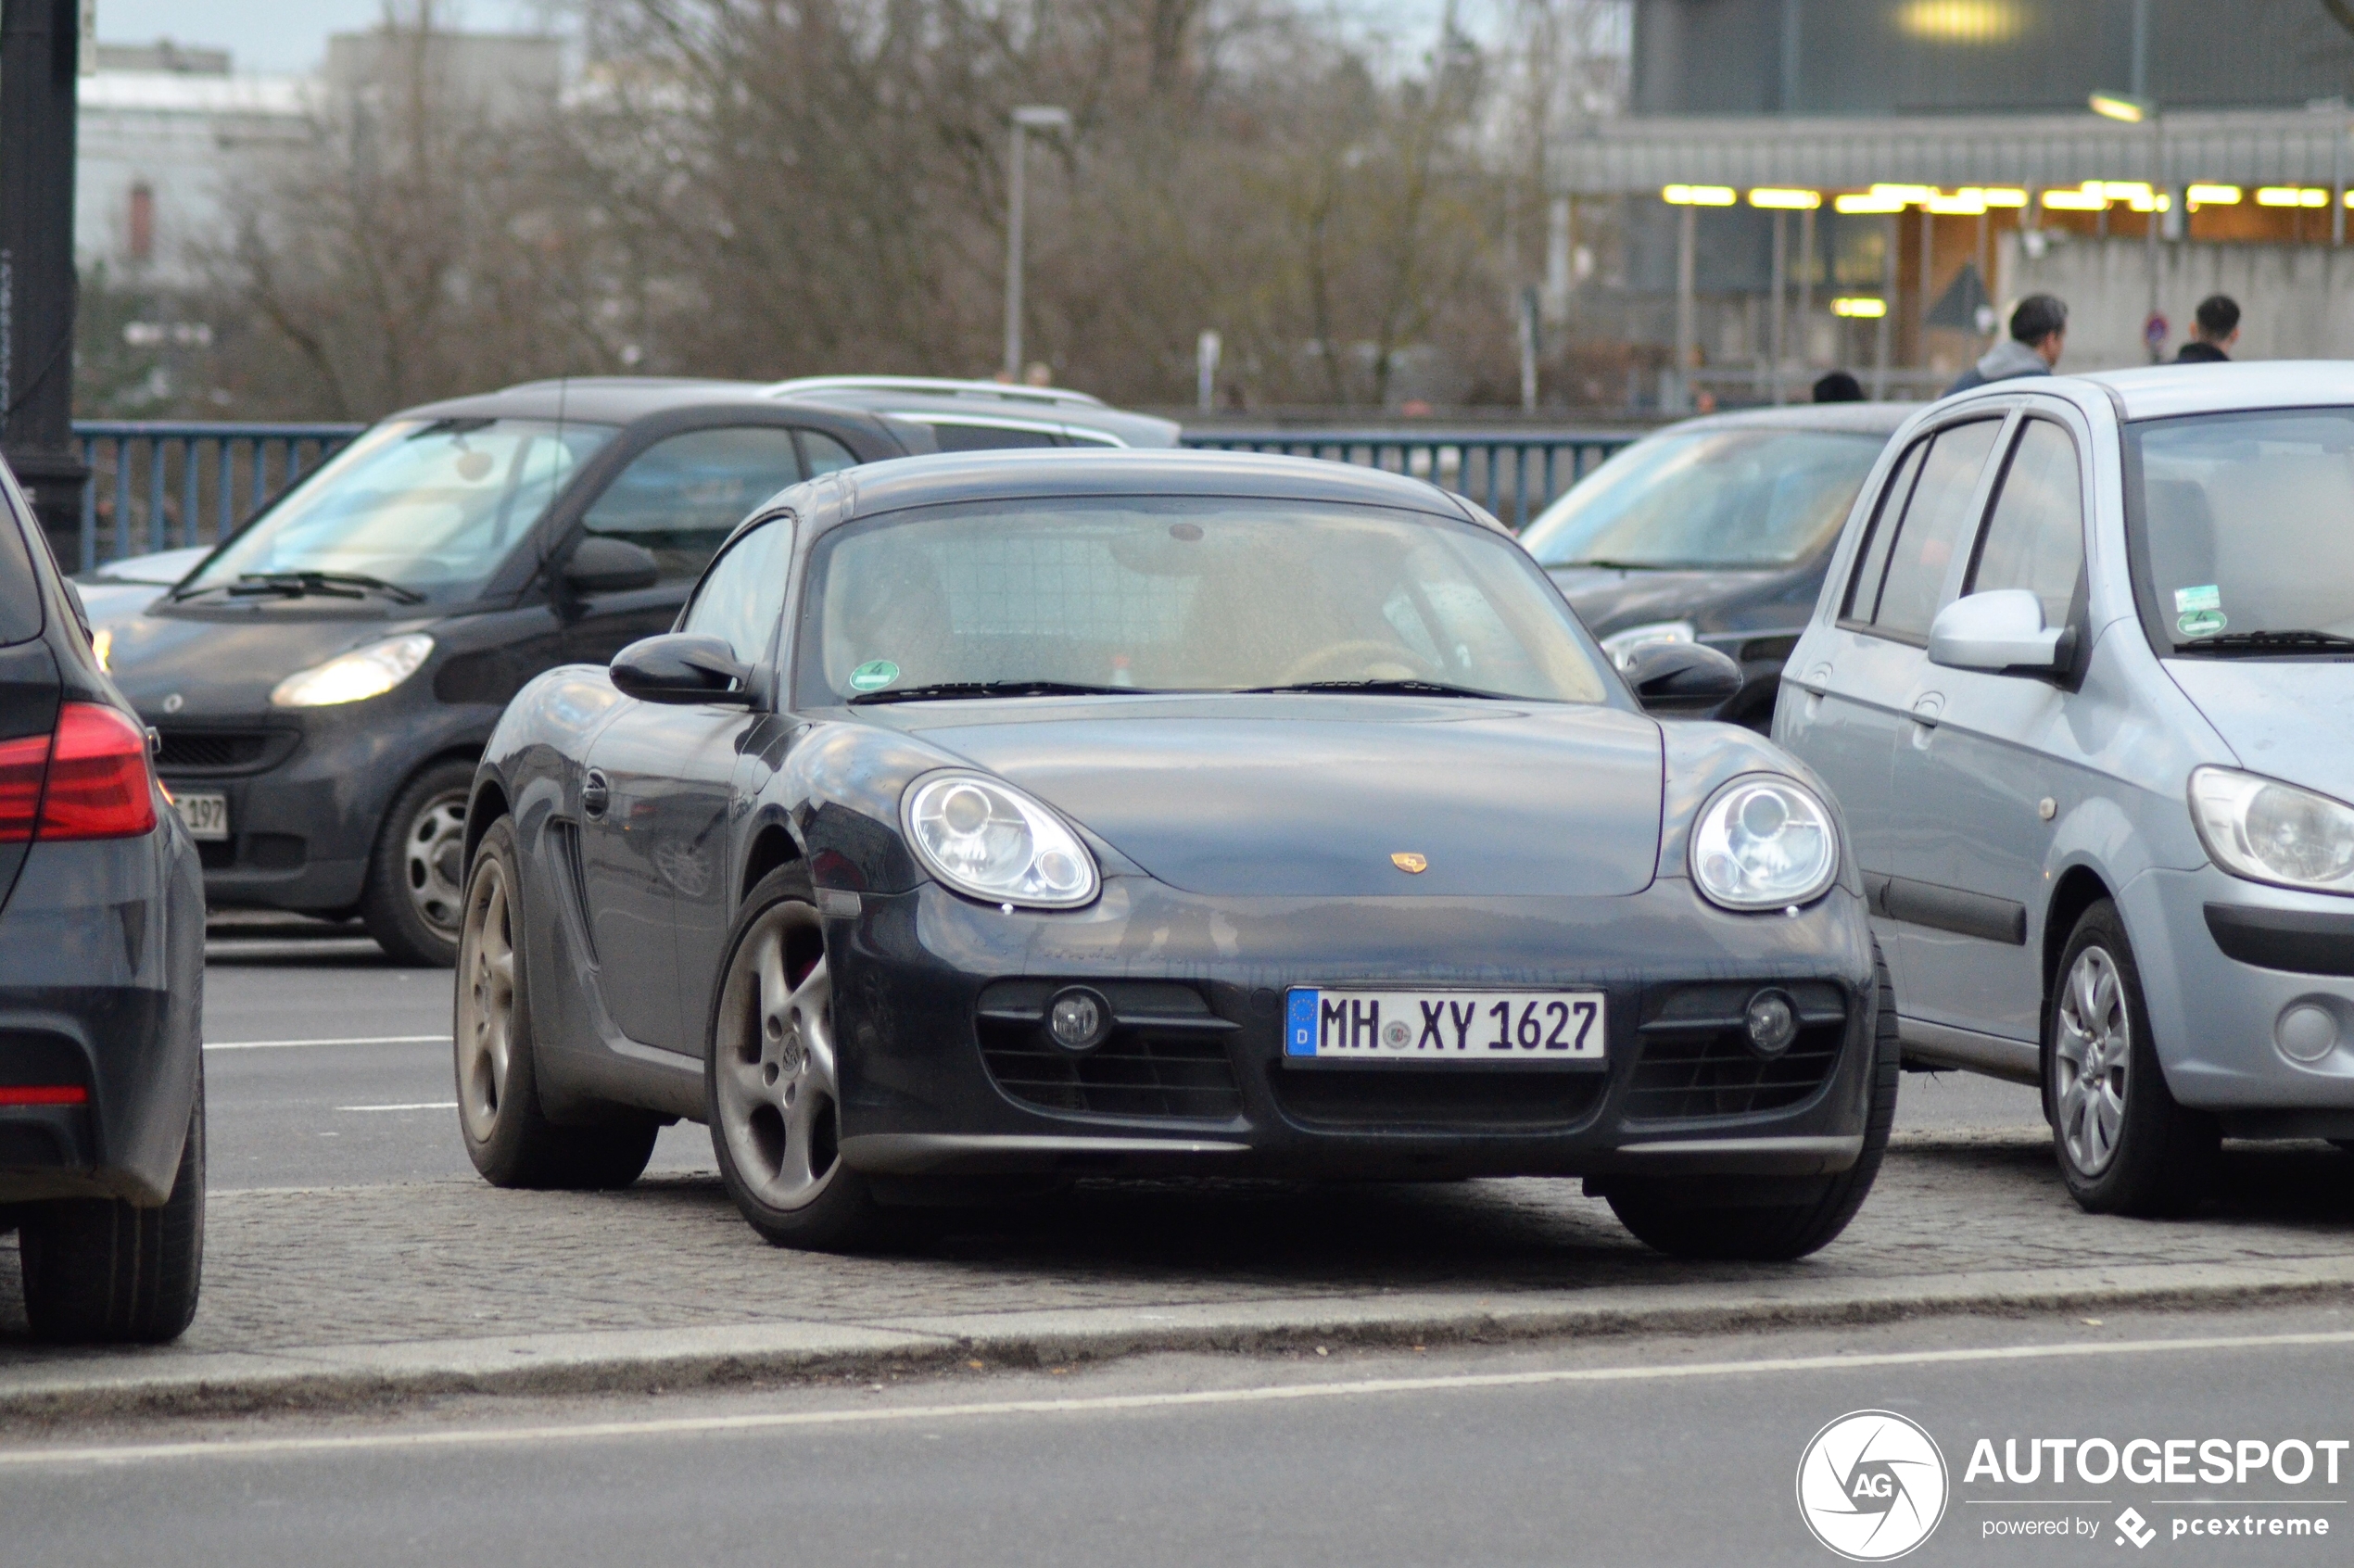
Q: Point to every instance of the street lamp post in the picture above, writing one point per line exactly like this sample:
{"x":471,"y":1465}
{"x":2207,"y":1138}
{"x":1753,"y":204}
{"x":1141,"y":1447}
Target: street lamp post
{"x":1030,"y":117}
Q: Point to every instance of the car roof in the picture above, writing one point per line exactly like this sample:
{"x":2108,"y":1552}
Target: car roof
{"x":2162,"y":391}
{"x":935,"y":387}
{"x":1862,"y":418}
{"x":597,"y":399}
{"x":1030,"y":471}
{"x":930,"y":401}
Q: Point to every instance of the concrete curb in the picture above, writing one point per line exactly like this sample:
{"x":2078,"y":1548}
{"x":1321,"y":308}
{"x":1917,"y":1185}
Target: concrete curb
{"x":166,"y":1381}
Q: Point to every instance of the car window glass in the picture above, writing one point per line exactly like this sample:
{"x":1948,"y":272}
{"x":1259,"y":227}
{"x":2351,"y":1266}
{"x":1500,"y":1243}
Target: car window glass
{"x":1863,"y":590}
{"x":682,"y":497}
{"x":1934,"y":523}
{"x":987,"y":437}
{"x":20,"y":589}
{"x":2036,"y":536}
{"x":743,"y":593}
{"x":824,"y":453}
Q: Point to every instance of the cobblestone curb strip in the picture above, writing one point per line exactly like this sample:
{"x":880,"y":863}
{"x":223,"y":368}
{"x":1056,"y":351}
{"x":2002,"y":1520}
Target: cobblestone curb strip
{"x":648,"y":1359}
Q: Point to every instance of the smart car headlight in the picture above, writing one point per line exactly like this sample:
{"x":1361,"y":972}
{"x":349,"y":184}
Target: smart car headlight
{"x":1764,"y":844}
{"x":350,"y":677}
{"x":991,"y":841}
{"x":2269,"y":831}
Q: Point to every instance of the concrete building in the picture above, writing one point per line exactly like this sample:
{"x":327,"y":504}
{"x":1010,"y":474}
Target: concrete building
{"x":1871,"y":183}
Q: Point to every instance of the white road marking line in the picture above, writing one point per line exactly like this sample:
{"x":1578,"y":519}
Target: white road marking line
{"x":751,"y":1422}
{"x":416,"y":1105}
{"x":359,"y":1039}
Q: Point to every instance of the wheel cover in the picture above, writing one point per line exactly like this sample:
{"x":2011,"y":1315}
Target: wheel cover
{"x":485,"y":1000}
{"x":433,"y":856}
{"x":773,"y":1062}
{"x":2090,"y":1059}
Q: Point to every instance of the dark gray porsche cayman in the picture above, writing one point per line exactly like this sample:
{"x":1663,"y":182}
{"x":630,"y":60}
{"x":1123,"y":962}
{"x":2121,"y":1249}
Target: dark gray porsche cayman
{"x":1037,"y":815}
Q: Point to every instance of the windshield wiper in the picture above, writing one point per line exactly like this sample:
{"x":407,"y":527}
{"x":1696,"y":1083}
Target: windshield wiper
{"x":304,"y":585}
{"x":1405,"y":687}
{"x":943,"y":690}
{"x":1616,"y":565}
{"x":2268,"y":643}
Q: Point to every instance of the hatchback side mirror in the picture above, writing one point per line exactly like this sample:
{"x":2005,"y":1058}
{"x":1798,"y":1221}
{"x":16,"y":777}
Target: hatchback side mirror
{"x":1681,"y":678}
{"x":682,"y":668}
{"x":600,"y":563}
{"x":2000,"y":629}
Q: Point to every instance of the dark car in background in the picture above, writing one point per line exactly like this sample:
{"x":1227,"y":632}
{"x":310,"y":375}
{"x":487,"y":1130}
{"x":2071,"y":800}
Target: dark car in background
{"x":323,"y":682}
{"x":102,"y":1149}
{"x":1715,"y":531}
{"x":965,"y":416}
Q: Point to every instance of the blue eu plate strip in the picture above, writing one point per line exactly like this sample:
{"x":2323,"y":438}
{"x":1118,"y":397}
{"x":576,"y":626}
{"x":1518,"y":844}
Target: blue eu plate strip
{"x":1300,"y":1024}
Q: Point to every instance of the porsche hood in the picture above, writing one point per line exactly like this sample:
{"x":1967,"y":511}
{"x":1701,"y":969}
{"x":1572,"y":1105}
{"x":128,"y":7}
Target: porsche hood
{"x":1338,"y":797}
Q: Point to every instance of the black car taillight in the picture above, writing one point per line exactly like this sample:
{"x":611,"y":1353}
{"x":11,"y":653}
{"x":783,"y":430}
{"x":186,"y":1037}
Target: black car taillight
{"x":88,"y":779}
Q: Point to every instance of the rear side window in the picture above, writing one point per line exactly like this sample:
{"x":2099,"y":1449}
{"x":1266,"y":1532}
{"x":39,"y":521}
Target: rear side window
{"x":1911,"y":567}
{"x":20,"y":589}
{"x":956,"y":438}
{"x":824,"y":453}
{"x":2036,"y":536}
{"x":681,"y":498}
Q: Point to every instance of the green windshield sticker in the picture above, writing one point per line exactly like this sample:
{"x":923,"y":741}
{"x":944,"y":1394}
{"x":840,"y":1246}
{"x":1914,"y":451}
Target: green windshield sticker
{"x":873,"y":675}
{"x":2200,"y":623}
{"x":2186,"y":600}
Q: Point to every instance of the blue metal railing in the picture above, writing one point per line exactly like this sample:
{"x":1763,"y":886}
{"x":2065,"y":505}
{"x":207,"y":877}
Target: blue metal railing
{"x":1515,"y":477}
{"x":161,"y":486}
{"x":157,"y":484}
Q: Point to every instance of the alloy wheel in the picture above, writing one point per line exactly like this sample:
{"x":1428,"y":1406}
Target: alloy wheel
{"x":485,"y":1000}
{"x":2092,"y":1057}
{"x":774,"y":1062}
{"x":433,"y":858}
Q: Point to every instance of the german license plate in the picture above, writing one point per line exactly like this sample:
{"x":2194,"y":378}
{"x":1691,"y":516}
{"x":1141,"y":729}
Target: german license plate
{"x":207,"y":815}
{"x":1515,"y":1028}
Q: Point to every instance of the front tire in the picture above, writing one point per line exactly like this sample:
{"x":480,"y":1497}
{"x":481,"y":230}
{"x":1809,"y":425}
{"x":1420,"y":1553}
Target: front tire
{"x":510,"y":1140}
{"x":98,"y":1270}
{"x":771,"y":1078}
{"x":1666,"y":1217}
{"x":2124,"y":1145}
{"x":414,"y":900}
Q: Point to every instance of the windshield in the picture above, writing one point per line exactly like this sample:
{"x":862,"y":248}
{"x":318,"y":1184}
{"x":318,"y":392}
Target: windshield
{"x":2240,"y":525}
{"x":1711,"y":499}
{"x":1191,"y":594}
{"x":428,"y":506}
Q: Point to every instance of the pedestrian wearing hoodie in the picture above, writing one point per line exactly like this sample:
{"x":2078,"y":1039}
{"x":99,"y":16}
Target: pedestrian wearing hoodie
{"x":2218,"y":329}
{"x":2039,"y":331}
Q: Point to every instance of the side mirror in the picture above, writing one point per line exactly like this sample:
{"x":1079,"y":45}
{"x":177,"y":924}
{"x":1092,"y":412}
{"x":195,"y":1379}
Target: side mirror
{"x":1681,"y":678}
{"x":2000,"y":629}
{"x":683,"y":667}
{"x":600,"y":563}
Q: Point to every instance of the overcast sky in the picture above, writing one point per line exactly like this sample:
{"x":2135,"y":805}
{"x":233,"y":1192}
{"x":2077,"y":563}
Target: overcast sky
{"x":273,"y":36}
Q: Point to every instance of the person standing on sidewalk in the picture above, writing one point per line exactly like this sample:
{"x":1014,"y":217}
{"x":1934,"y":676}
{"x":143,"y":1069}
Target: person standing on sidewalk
{"x":2218,"y":328}
{"x":2039,"y":331}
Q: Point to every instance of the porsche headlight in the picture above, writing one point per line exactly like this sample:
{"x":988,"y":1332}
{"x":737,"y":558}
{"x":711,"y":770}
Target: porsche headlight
{"x":991,"y":841}
{"x":354,"y":677}
{"x":2269,"y":831}
{"x":1764,"y":844}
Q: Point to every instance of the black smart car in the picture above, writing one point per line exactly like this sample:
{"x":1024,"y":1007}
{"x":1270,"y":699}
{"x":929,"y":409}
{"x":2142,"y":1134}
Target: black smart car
{"x":102,"y":1170}
{"x":1065,"y":813}
{"x":1715,"y":531}
{"x":323,"y":682}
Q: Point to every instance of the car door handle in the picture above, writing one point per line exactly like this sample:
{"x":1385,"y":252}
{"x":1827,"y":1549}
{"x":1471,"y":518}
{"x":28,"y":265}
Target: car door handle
{"x":1817,"y":680}
{"x":1926,"y":711}
{"x":596,"y":793}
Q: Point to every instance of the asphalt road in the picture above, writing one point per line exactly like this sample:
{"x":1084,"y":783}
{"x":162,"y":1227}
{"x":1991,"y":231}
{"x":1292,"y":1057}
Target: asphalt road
{"x":1613,"y":1452}
{"x":382,"y":1108}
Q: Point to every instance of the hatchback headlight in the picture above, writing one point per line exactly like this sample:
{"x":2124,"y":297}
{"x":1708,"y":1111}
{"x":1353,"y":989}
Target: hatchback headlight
{"x":2269,"y":831}
{"x":1764,"y":844}
{"x":354,"y":677}
{"x":991,"y":841}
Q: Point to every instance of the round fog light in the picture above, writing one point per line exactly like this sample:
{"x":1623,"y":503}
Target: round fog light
{"x":2305,"y":1032}
{"x":1772,"y":1023}
{"x":1078,"y":1020}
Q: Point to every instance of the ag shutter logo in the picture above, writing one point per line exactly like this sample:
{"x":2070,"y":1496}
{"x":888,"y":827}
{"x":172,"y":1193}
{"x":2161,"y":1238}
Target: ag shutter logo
{"x":1872,"y":1486}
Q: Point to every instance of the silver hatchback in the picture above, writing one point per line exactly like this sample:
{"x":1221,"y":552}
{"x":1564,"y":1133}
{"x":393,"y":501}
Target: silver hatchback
{"x":2081,"y":676}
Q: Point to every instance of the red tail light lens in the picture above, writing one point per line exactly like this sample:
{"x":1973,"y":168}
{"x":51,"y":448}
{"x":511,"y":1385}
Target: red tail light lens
{"x":23,"y":763}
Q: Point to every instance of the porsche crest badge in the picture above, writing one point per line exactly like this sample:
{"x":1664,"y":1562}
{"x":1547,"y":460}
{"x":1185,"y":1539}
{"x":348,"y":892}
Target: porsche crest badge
{"x":1408,"y":861}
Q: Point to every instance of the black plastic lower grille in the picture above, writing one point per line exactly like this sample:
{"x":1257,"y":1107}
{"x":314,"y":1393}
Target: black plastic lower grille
{"x":218,"y":751}
{"x":1437,"y":1099}
{"x":1696,"y":1061}
{"x":1166,"y":1055}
